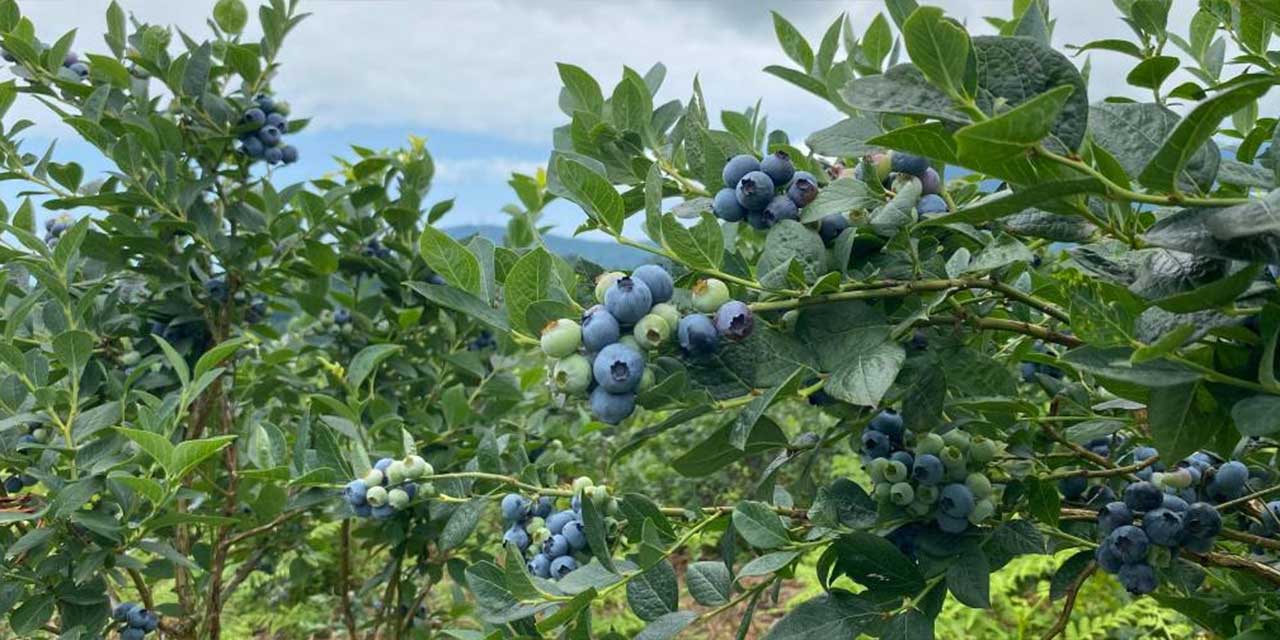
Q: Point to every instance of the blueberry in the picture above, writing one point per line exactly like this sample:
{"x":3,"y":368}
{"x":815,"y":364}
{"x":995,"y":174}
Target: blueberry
{"x":576,"y":536}
{"x":928,"y":469}
{"x":931,"y":182}
{"x":907,"y":163}
{"x":831,"y":227}
{"x":737,"y":167}
{"x":894,"y":471}
{"x":929,"y":443}
{"x":1138,"y":579}
{"x":628,"y":300}
{"x":904,"y":457}
{"x":888,"y":422}
{"x":612,"y":407}
{"x":951,"y":524}
{"x":1201,"y":521}
{"x":518,"y":536}
{"x":273,"y":155}
{"x":755,"y":190}
{"x":955,"y":500}
{"x":122,"y":610}
{"x":697,"y":334}
{"x":276,"y":120}
{"x":572,"y":374}
{"x":556,"y":546}
{"x":562,"y":566}
{"x":354,"y":492}
{"x":1231,"y":478}
{"x":265,"y":102}
{"x":383,"y":464}
{"x":983,"y":510}
{"x":618,"y":368}
{"x":1072,"y":488}
{"x":779,"y":208}
{"x":270,"y":136}
{"x":363,"y":510}
{"x":902,"y":494}
{"x":651,"y":331}
{"x":931,"y":204}
{"x":288,"y":154}
{"x":1028,"y":371}
{"x":138,"y":617}
{"x":726,"y":206}
{"x":383,"y":512}
{"x":254,"y":117}
{"x":875,"y":444}
{"x":599,"y":328}
{"x":540,"y":565}
{"x":778,"y":167}
{"x":1129,"y":542}
{"x":1143,"y":496}
{"x":252,"y":147}
{"x":132,"y":633}
{"x":13,"y":484}
{"x":81,"y":69}
{"x":979,"y":485}
{"x":514,"y":507}
{"x":1107,"y":558}
{"x":1163,"y":527}
{"x":1174,"y":503}
{"x":560,"y":338}
{"x":734,"y":320}
{"x":803,"y":189}
{"x":657,"y":279}
{"x":557,"y":521}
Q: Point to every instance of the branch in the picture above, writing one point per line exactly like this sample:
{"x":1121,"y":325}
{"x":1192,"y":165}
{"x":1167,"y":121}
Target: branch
{"x":1079,"y":450}
{"x":1103,"y":473}
{"x":1014,"y":326}
{"x":1069,"y":604}
{"x":344,"y":580}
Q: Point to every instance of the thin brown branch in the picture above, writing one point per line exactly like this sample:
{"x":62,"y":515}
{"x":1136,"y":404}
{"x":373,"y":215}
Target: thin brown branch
{"x":1069,"y":603}
{"x":344,"y":579}
{"x":1012,"y":326}
{"x":1079,"y":450}
{"x":1103,"y":473}
{"x":242,"y":572}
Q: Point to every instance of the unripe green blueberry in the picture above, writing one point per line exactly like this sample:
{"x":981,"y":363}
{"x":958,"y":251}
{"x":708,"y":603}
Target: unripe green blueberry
{"x":415,"y":467}
{"x":884,"y":492}
{"x":902,"y":494}
{"x":647,"y":380}
{"x":582,"y":483}
{"x":426,"y":488}
{"x":982,"y":511}
{"x":651,"y":331}
{"x":534,"y":523}
{"x":958,"y":439}
{"x":130,"y":358}
{"x":631,"y":341}
{"x":875,"y":469}
{"x":374,"y":478}
{"x":561,"y":338}
{"x":613,"y":507}
{"x":572,"y":374}
{"x":668,"y":312}
{"x":789,"y":320}
{"x":1176,"y":479}
{"x":979,"y":485}
{"x":883,"y":164}
{"x":895,"y":472}
{"x":708,"y":294}
{"x":929,"y":443}
{"x":598,"y":494}
{"x":397,"y":473}
{"x":606,"y":280}
{"x":376,"y":496}
{"x":41,"y":434}
{"x":927,"y":493}
{"x":951,"y":456}
{"x":398,"y":499}
{"x":982,"y":450}
{"x":539,"y":535}
{"x":919,"y":509}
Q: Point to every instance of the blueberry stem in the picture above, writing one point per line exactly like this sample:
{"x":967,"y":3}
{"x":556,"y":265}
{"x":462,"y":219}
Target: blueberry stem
{"x":1252,"y":496}
{"x":1117,"y":192}
{"x":1069,"y":603}
{"x":1104,"y":473}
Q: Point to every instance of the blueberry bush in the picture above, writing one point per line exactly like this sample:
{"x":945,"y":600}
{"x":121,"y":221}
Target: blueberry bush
{"x":1042,"y":325}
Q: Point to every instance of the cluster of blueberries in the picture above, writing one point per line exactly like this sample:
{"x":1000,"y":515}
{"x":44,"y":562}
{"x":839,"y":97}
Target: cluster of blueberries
{"x":71,"y":62}
{"x":894,"y":165}
{"x":1029,"y":370}
{"x":54,"y":228}
{"x":763,"y":192}
{"x":604,"y":354}
{"x":389,"y":487}
{"x":482,"y":342}
{"x":265,"y":124}
{"x":374,"y":248}
{"x":135,"y":620}
{"x":340,"y":319}
{"x":931,"y":477}
{"x":33,"y":433}
{"x":552,"y":542}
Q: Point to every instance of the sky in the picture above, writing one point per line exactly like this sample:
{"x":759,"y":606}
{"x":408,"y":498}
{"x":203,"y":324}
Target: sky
{"x":478,"y":79}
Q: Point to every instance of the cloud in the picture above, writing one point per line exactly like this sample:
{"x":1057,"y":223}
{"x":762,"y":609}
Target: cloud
{"x":494,"y":169}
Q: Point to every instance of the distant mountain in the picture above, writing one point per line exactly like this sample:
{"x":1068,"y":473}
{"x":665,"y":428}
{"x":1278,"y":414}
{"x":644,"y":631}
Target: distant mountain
{"x":605,"y":254}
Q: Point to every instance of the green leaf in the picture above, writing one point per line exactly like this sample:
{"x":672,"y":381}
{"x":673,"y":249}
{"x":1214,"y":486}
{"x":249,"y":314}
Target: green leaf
{"x":367,"y":360}
{"x":593,"y":192}
{"x":196,"y":74}
{"x":791,"y":241}
{"x":188,"y":455}
{"x":744,"y":425}
{"x":450,"y":259}
{"x":848,"y":138}
{"x":843,"y":503}
{"x":715,"y":452}
{"x":1257,"y":416}
{"x":583,"y":91}
{"x":231,"y":15}
{"x":655,"y":592}
{"x":1015,"y":131}
{"x":667,"y":627}
{"x":969,"y":578}
{"x":793,"y":43}
{"x":930,"y":139}
{"x":653,"y":203}
{"x":835,"y":614}
{"x":1213,"y":294}
{"x":766,"y":564}
{"x":873,"y":561}
{"x":939,"y":47}
{"x":1010,"y":202}
{"x":594,"y":527}
{"x":1183,"y":419}
{"x":215,"y":355}
{"x":31,"y":615}
{"x":1197,"y":127}
{"x":867,"y":375}
{"x":461,"y":302}
{"x":73,"y":349}
{"x":709,"y":583}
{"x":528,"y":281}
{"x":902,"y":90}
{"x":1043,"y":500}
{"x":700,"y":246}
{"x":461,"y":523}
{"x":759,"y":525}
{"x":631,"y":106}
{"x":1015,"y":70}
{"x":910,"y":625}
{"x":841,"y":196}
{"x":156,"y":446}
{"x":1152,"y":72}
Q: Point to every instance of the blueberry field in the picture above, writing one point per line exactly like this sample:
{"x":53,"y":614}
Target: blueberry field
{"x":990,"y":352}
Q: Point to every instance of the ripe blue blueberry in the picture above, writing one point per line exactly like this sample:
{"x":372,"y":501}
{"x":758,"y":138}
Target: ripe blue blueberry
{"x":697,"y":335}
{"x":557,"y":520}
{"x":875,"y":444}
{"x":734,"y":320}
{"x":737,"y":167}
{"x":13,"y":484}
{"x":779,"y":208}
{"x":1107,"y":559}
{"x":950,"y":524}
{"x":254,"y":117}
{"x":888,"y":422}
{"x":273,"y":155}
{"x":383,"y":512}
{"x":1138,"y":579}
{"x":562,"y":566}
{"x":354,"y":492}
{"x":1112,"y":516}
{"x":288,"y":154}
{"x":803,"y":189}
{"x":540,"y":565}
{"x":618,"y":368}
{"x":544,"y":507}
{"x":612,"y":408}
{"x":1174,"y":503}
{"x":905,"y":458}
{"x":1231,"y":477}
{"x":1129,"y":542}
{"x":1163,"y":527}
{"x":755,"y":190}
{"x":931,"y":204}
{"x":1100,"y":446}
{"x":628,"y":300}
{"x":132,"y":633}
{"x":599,"y":328}
{"x":252,"y":147}
{"x":928,"y":469}
{"x":121,"y":612}
{"x":907,"y":163}
{"x":726,"y":206}
{"x":363,"y":510}
{"x":518,"y":536}
{"x":1143,"y":496}
{"x":831,"y":227}
{"x":556,"y":546}
{"x":661,"y":287}
{"x":276,"y":120}
{"x":574,"y":533}
{"x":1072,"y":488}
{"x":1201,"y":521}
{"x":778,"y":167}
{"x":931,"y":182}
{"x":383,"y":464}
{"x":138,"y":617}
{"x":270,"y":136}
{"x":514,"y":507}
{"x":955,"y":500}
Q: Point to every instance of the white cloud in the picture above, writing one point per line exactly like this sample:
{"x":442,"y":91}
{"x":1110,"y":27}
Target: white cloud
{"x":492,"y":169}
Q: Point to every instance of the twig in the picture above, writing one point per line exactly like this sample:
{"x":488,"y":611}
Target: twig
{"x":1103,"y":473}
{"x":1079,"y":450}
{"x":1069,"y":603}
{"x":344,"y":580}
{"x":1252,"y":496}
{"x":242,"y":572}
